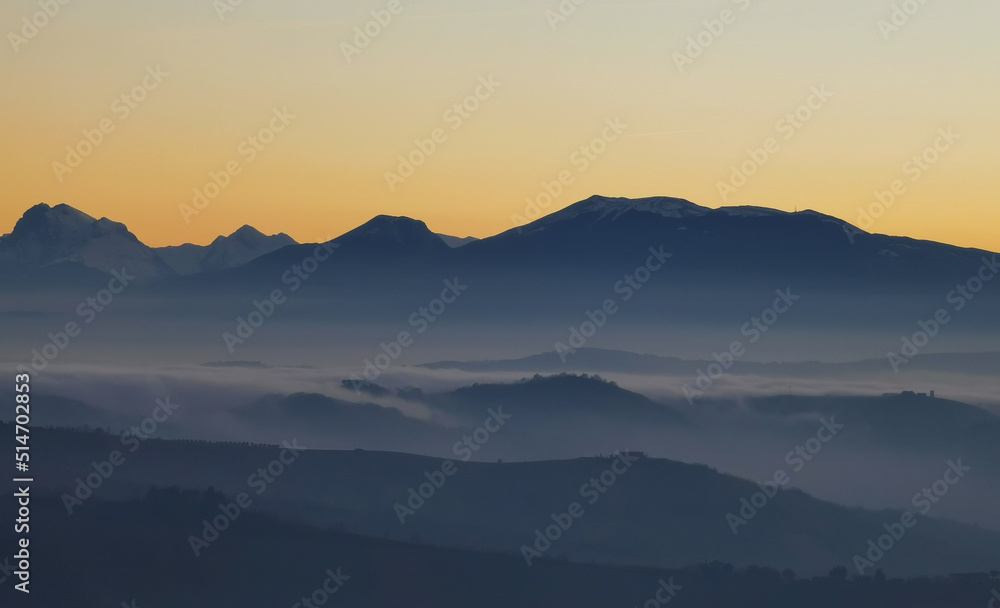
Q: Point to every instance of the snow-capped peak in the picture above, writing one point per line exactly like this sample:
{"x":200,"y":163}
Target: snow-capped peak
{"x":612,"y":208}
{"x":49,"y":235}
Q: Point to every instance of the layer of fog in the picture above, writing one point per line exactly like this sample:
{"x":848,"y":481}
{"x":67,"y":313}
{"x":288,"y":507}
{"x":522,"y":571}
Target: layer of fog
{"x":851,"y":470}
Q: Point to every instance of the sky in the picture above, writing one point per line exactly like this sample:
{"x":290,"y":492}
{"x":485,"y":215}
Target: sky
{"x":280,"y":114}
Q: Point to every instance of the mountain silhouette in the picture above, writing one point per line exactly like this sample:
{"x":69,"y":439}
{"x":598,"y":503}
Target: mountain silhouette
{"x":736,"y":245}
{"x":659,"y":513}
{"x":47,"y":236}
{"x":224,"y":252}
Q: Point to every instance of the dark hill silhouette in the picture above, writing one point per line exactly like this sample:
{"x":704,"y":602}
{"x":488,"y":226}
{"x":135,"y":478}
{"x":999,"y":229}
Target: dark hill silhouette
{"x":568,"y":397}
{"x":102,"y":557}
{"x":660,"y":513}
{"x":245,"y":244}
{"x":724,"y":264}
{"x":604,"y":360}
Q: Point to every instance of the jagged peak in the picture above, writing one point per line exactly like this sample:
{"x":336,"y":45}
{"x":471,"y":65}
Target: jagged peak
{"x":247,"y":229}
{"x":59,"y":214}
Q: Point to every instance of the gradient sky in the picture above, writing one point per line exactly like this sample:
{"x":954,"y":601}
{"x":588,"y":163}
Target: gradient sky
{"x":325,"y":173}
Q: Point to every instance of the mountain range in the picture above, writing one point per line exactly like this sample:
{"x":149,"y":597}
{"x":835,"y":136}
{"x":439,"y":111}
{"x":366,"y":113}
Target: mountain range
{"x":657,"y":513}
{"x":224,"y":252}
{"x":48,"y":236}
{"x":62,"y":235}
{"x":111,"y":540}
{"x":734,"y":242}
{"x":657,"y":275}
{"x":673,"y":265}
{"x":604,"y":360}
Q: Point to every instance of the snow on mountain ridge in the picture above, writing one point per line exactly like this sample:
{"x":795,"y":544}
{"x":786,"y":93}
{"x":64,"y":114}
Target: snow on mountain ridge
{"x":242,"y":246}
{"x":615,"y":207}
{"x":49,"y":235}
